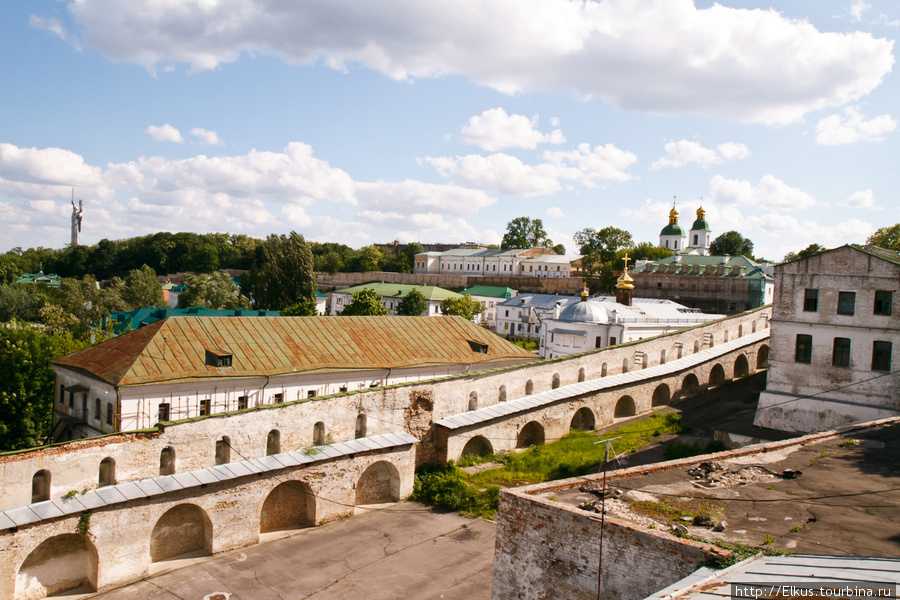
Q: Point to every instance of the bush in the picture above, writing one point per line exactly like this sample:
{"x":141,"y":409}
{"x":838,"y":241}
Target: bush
{"x":445,"y":487}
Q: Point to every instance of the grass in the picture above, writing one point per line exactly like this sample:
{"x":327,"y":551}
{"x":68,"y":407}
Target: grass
{"x":674,"y":509}
{"x":575,"y":454}
{"x":529,"y":345}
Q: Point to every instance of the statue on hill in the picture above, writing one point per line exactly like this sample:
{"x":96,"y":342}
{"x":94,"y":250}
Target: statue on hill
{"x":76,"y":218}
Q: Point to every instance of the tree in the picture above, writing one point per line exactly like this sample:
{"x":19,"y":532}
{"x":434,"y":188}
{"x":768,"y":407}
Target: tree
{"x":559,"y":249}
{"x":413,"y":304}
{"x":731,"y":243}
{"x":366,"y":303}
{"x":886,"y":237}
{"x":282,"y":274}
{"x":523,"y":233}
{"x":142,"y":288}
{"x":27,"y":383}
{"x":10,"y":268}
{"x":466,"y":307}
{"x":810,"y":250}
{"x":215,"y":291}
{"x":370,"y":258}
{"x":21,"y":302}
{"x":648,"y":251}
{"x":304,"y":308}
{"x":598,"y":248}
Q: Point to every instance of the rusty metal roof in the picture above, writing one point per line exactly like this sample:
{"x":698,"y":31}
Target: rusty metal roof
{"x":174,"y":349}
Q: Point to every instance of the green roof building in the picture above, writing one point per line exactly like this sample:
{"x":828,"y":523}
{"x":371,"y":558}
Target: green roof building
{"x":391,"y":295}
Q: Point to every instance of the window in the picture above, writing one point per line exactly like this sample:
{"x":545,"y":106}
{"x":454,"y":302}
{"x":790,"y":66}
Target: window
{"x":846,"y":303}
{"x":883,"y":301}
{"x":840,"y":357}
{"x":205,"y":405}
{"x":71,"y":399}
{"x":811,"y":301}
{"x":40,"y":486}
{"x":278,"y":398}
{"x":360,"y":431}
{"x":167,"y":461}
{"x":97,"y":414}
{"x":242,"y":402}
{"x":311,"y":394}
{"x":273,"y":442}
{"x":803,"y":352}
{"x":223,"y":451}
{"x":164,"y":411}
{"x":110,"y":413}
{"x":62,"y":393}
{"x":881,"y":356}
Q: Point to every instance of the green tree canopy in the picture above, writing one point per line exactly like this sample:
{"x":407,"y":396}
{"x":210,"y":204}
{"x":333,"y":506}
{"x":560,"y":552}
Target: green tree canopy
{"x":810,"y":250}
{"x":304,"y":308}
{"x":21,"y":302}
{"x":886,"y":237}
{"x":599,"y":248}
{"x":731,"y":243}
{"x":366,"y":303}
{"x":11,"y":268}
{"x":525,"y":232}
{"x":413,"y":304}
{"x":216,"y":290}
{"x":142,"y":288}
{"x":27,"y":383}
{"x":370,"y":258}
{"x":466,"y":307}
{"x":282,"y":275}
{"x":648,"y":251}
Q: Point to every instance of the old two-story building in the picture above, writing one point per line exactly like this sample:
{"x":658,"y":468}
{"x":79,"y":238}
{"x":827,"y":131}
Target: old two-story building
{"x":184,"y":367}
{"x":835,"y":347}
{"x":479,"y":262}
{"x":391,"y":295}
{"x":522,"y":316}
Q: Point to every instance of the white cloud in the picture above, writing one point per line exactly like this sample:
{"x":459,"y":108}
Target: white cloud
{"x":771,"y":193}
{"x":495,"y":130}
{"x":861,"y":199}
{"x":684,"y":152}
{"x":721,"y":218}
{"x":207,"y":137}
{"x":411,"y":196}
{"x":555,"y":212}
{"x":663,"y":56}
{"x":858,"y":8}
{"x":852,"y":127}
{"x":52,"y":25}
{"x":808,"y":232}
{"x":164,"y":133}
{"x":507,"y":174}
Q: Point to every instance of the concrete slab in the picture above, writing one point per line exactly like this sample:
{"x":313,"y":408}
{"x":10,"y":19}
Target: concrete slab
{"x":403,"y":550}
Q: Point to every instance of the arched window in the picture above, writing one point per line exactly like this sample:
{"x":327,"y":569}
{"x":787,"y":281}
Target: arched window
{"x":529,"y":387}
{"x":223,"y":450}
{"x":555,"y":380}
{"x":696,"y":239}
{"x":319,"y":434}
{"x":473,"y":401}
{"x":40,"y":486}
{"x":502,"y":395}
{"x":581,"y":374}
{"x":360,"y":426}
{"x":167,"y":461}
{"x":273,"y":442}
{"x":107,"y":475}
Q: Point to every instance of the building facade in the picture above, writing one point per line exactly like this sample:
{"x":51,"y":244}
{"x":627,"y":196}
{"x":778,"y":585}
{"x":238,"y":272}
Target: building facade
{"x":490,"y":296}
{"x":522,"y":316}
{"x":391,"y":295}
{"x":535,"y":262}
{"x":835,"y":345}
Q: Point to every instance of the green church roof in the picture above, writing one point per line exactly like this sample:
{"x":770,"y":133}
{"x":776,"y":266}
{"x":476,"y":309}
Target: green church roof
{"x":673,"y":229}
{"x":700,"y":225}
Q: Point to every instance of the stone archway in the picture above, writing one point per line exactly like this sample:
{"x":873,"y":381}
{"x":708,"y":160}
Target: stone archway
{"x":583,"y":419}
{"x":379,"y":483}
{"x":741,"y":366}
{"x":762,"y":357}
{"x":183,"y":529}
{"x":625,"y":407}
{"x":290,"y":505}
{"x":477,"y":446}
{"x":530,"y":435}
{"x":661,"y":395}
{"x":717,"y":376}
{"x":62,"y":563}
{"x":690,"y":386}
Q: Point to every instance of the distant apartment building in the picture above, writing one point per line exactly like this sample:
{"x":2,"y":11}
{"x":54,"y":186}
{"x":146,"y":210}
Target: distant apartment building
{"x":835,"y":345}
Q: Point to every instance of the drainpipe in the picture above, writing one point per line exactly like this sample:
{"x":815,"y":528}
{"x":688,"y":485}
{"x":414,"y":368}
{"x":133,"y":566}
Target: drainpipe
{"x":262,"y":392}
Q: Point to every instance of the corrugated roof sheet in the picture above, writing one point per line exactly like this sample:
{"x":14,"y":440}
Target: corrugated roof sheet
{"x":798,"y":569}
{"x":155,"y":486}
{"x":518,"y":405}
{"x":399,"y":290}
{"x":175,"y":349}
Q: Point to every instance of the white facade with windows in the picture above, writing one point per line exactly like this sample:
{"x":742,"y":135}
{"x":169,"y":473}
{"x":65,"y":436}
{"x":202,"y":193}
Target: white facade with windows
{"x":521,"y":316}
{"x":835,"y":346}
{"x":534,"y":262}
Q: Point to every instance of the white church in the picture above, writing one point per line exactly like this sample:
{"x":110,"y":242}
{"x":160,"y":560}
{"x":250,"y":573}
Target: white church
{"x":697,"y":241}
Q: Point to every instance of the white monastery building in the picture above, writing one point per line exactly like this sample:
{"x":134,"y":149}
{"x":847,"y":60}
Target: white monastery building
{"x":835,"y":345}
{"x":534,"y":262}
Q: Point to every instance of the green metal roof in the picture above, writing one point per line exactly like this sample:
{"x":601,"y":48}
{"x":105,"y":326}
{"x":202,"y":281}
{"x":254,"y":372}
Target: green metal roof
{"x":40,"y":278}
{"x":490,"y":291}
{"x":751,"y":270}
{"x":399,"y":290}
{"x":700,"y":225}
{"x":673,"y":229}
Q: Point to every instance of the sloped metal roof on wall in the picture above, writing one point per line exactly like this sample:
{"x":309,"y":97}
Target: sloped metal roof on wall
{"x":156,"y":486}
{"x":566,"y":392}
{"x":174,"y":349}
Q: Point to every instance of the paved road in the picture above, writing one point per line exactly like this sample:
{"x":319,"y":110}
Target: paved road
{"x":404,"y":551}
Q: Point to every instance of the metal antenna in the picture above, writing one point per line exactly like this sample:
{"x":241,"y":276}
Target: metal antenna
{"x":608,"y":443}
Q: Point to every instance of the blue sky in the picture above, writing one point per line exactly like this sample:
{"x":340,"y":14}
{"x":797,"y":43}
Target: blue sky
{"x":441,"y":121}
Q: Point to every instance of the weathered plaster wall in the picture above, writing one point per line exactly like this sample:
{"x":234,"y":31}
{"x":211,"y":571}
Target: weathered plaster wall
{"x":412,"y":408}
{"x":122,"y":534}
{"x":548,"y":550}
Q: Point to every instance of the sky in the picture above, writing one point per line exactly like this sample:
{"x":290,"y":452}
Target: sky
{"x":441,"y":121}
